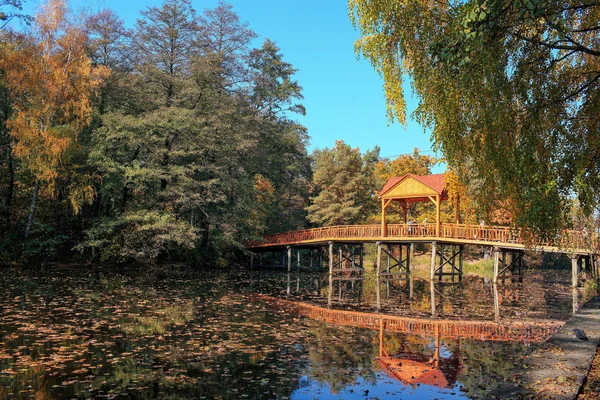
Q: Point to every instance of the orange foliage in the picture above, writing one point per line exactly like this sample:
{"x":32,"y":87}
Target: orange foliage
{"x":50,"y":79}
{"x":264,"y":189}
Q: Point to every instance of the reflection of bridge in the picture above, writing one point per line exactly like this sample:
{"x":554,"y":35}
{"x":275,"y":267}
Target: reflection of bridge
{"x":537,"y":331}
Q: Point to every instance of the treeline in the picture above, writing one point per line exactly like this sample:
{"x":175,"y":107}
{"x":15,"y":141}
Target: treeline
{"x":171,"y":140}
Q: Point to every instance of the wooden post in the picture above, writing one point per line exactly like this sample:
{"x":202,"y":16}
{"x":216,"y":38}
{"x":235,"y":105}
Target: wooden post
{"x":496,"y":302}
{"x":299,"y":261}
{"x":438,"y":200}
{"x":496,"y":262}
{"x":432,"y":292}
{"x":436,"y":353}
{"x":289,"y":258}
{"x":378,"y":279}
{"x":380,"y":337}
{"x":574,"y":271}
{"x":433,"y":256}
{"x":383,"y":224}
{"x":575,"y":300}
{"x":251,"y":260}
{"x":330,"y":294}
{"x":441,"y":262}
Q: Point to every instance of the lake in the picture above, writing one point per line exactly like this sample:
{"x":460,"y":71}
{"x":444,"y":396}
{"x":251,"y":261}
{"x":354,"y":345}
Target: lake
{"x":81,"y":333}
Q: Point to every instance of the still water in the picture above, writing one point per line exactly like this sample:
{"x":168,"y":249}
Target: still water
{"x":72,"y":333}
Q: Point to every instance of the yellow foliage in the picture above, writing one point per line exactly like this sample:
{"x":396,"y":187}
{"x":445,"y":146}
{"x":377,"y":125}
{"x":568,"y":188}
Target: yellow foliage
{"x":50,"y":79}
{"x":264,"y":189}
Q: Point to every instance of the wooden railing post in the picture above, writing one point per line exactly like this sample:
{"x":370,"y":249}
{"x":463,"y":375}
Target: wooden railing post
{"x":330,"y":294}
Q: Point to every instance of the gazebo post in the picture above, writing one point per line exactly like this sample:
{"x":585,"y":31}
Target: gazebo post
{"x":383,"y":224}
{"x":438,"y":200}
{"x":384,"y":205}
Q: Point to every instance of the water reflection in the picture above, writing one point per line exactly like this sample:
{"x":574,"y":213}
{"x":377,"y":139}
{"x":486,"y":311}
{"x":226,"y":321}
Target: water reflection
{"x":439,"y":368}
{"x":540,"y":295}
{"x":69,"y":334}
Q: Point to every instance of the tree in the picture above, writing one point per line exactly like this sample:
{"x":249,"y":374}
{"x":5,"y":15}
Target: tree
{"x":163,"y":38}
{"x":273,"y":90}
{"x":225,"y":40}
{"x":509,"y":86}
{"x":343,"y":185}
{"x":11,"y":9}
{"x":281,"y":158}
{"x":414,"y":163}
{"x":109,"y":45}
{"x":50,"y":79}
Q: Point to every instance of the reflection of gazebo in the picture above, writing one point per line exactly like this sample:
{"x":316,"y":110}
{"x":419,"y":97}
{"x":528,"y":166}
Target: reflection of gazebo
{"x":412,"y":372}
{"x":412,"y":188}
{"x":417,"y":368}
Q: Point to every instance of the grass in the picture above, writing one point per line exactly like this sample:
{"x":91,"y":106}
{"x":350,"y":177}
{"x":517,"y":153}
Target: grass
{"x":420,"y":264}
{"x":162,"y":319}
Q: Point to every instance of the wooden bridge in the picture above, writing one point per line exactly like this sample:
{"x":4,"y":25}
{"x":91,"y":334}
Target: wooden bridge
{"x":346,"y":246}
{"x":569,"y":241}
{"x":346,"y":242}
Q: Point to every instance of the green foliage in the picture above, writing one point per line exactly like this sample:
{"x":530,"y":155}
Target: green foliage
{"x":191,"y":148}
{"x":508,"y":87}
{"x":344,"y":185}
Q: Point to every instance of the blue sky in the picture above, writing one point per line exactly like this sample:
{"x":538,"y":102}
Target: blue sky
{"x":343,"y":95}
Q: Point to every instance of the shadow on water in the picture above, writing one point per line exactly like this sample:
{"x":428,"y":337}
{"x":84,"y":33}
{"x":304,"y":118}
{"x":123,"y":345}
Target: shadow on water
{"x":68,"y":334}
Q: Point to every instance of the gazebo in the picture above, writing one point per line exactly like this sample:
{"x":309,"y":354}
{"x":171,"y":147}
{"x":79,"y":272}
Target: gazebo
{"x":411,"y":188}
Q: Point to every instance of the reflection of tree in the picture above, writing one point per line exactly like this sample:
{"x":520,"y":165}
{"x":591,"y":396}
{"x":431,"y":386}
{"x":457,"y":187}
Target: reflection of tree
{"x":486,"y":363}
{"x":339,"y":355}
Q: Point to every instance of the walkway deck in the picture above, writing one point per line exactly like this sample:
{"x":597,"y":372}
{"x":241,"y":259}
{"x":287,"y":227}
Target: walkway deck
{"x":570,"y":241}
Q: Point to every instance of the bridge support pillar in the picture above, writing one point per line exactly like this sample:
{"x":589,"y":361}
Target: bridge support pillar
{"x":446,"y":260}
{"x":506,"y":267}
{"x":574,"y":271}
{"x":345,"y":269}
{"x":582,"y":265}
{"x":393,"y":265}
{"x":268,"y":259}
{"x":393,"y":261}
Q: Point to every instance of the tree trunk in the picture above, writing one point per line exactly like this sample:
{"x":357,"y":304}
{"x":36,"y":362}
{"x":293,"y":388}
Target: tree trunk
{"x":9,"y":192}
{"x":32,"y":210}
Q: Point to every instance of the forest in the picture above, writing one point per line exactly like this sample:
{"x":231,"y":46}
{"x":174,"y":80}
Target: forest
{"x":177,"y":140}
{"x":171,"y":141}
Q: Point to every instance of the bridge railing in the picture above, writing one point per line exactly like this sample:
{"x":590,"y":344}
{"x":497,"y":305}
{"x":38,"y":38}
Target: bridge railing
{"x":569,"y":240}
